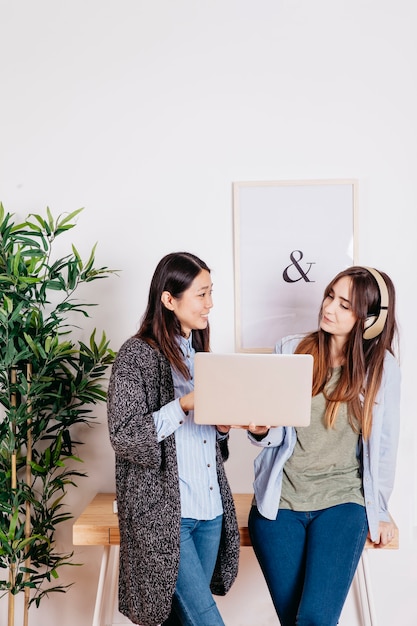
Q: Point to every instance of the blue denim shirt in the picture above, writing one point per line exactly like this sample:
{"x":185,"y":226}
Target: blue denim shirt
{"x":378,"y":456}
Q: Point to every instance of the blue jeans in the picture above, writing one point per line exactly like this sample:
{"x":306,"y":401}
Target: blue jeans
{"x":309,"y":560}
{"x":193,"y":603}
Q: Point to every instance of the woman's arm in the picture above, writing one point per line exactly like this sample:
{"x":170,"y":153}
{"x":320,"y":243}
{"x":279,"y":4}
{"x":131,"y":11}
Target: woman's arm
{"x":135,"y":377}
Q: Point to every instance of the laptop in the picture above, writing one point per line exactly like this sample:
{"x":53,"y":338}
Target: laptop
{"x":243,"y":388}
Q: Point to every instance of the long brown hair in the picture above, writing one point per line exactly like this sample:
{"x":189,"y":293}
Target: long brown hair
{"x":363,"y":358}
{"x":159,"y":326}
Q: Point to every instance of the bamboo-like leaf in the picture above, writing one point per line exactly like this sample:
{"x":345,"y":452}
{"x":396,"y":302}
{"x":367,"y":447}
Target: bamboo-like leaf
{"x":9,"y":303}
{"x":21,"y":545}
{"x":5,"y":547}
{"x":73,"y":275}
{"x":77,"y":257}
{"x":41,"y":221}
{"x":33,"y":226}
{"x":37,"y":468}
{"x":17,"y":311}
{"x":16,"y":262}
{"x":13,"y":524}
{"x":48,"y":344}
{"x":55,"y":285}
{"x":89,"y":265}
{"x":31,"y":343}
{"x":68,"y":218}
{"x":27,"y":242}
{"x":29,"y":280}
{"x":50,"y":220}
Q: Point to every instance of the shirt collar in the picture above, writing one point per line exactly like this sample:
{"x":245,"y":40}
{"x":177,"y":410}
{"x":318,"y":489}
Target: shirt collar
{"x":186,"y":343}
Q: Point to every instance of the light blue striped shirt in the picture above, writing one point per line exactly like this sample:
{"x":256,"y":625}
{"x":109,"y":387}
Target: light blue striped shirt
{"x":196,"y":447}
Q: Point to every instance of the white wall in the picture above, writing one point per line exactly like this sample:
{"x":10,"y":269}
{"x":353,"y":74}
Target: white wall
{"x":145,"y":112}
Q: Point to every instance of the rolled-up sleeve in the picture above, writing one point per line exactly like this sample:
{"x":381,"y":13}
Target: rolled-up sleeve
{"x":168,"y":419}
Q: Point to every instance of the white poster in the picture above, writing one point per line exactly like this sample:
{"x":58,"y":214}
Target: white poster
{"x":290,"y":239}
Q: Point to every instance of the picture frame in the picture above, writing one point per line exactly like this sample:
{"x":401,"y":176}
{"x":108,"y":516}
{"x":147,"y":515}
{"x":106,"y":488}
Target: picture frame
{"x":290,"y":239}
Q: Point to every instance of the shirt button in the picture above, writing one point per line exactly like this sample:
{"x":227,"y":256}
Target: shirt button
{"x":211,"y":488}
{"x":208,"y":464}
{"x":204,"y":440}
{"x":182,"y":422}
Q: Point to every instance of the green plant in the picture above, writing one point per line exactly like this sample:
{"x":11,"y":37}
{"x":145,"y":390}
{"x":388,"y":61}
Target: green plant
{"x":49,"y":382}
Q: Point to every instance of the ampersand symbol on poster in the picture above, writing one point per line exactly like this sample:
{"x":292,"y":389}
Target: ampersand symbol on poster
{"x":302,"y":274}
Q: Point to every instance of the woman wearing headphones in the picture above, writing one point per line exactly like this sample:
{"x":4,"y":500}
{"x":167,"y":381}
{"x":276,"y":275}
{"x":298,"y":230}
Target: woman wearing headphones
{"x":320,"y":490}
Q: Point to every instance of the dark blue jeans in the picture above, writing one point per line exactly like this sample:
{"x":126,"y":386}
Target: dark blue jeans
{"x":309,"y":560}
{"x":193,"y":603}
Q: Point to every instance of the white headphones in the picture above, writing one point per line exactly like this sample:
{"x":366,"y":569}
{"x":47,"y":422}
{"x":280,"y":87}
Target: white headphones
{"x":374,"y":324}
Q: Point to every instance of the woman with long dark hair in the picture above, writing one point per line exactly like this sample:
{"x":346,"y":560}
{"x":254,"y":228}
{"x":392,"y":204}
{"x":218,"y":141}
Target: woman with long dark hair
{"x":179,"y":539}
{"x":320,"y":490}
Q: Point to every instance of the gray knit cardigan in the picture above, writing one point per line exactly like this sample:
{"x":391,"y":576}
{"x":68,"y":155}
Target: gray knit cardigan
{"x":147,"y":489}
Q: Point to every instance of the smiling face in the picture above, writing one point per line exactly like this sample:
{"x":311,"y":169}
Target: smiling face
{"x":337,"y":317}
{"x":193,"y":306}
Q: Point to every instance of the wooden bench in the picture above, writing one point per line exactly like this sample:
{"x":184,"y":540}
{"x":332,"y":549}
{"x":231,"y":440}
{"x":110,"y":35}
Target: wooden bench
{"x":98,"y":526}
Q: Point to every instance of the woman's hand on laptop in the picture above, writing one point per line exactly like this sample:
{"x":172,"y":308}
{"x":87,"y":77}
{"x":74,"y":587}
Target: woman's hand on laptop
{"x":258,"y":430}
{"x":187,"y":402}
{"x":222,"y":429}
{"x":255,"y":430}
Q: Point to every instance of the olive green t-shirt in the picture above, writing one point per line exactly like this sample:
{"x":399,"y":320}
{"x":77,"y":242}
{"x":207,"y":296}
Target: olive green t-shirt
{"x":323,"y":470}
